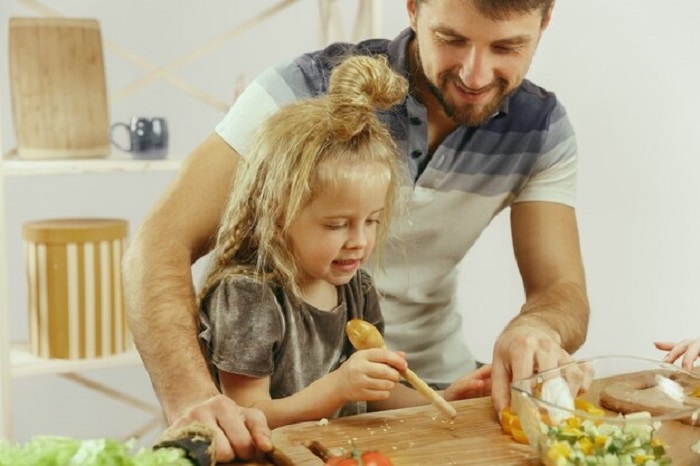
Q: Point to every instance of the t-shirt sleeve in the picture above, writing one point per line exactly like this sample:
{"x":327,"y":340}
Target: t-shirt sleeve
{"x":268,"y":92}
{"x":242,"y":327}
{"x":554,"y":178}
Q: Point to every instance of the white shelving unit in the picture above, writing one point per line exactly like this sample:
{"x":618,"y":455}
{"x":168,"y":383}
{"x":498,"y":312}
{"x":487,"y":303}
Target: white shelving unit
{"x":16,"y":360}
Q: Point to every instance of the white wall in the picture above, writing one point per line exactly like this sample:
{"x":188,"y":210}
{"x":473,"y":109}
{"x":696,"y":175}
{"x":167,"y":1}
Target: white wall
{"x":627,"y":72}
{"x":624,"y":70}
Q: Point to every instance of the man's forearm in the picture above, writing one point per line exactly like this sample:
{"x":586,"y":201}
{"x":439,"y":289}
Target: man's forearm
{"x":162,"y":316}
{"x":563,"y":308}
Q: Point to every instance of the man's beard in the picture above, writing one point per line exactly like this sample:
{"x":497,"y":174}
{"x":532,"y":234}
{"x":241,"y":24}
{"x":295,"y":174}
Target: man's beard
{"x":467,"y":114}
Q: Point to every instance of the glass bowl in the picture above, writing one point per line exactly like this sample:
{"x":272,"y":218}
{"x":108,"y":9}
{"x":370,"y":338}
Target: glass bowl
{"x":611,"y":410}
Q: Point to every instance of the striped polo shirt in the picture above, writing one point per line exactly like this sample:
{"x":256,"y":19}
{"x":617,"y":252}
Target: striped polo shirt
{"x":525,"y":152}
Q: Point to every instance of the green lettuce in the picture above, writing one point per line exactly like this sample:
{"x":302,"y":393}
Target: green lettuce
{"x":64,"y":451}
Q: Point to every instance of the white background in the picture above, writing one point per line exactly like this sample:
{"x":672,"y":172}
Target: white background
{"x":625,"y":70}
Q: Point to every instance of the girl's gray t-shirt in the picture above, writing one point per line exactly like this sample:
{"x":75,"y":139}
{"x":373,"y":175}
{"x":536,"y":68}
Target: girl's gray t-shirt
{"x":253,"y":329}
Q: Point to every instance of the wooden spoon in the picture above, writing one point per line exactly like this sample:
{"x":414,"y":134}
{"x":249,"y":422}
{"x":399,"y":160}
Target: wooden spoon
{"x":364,"y":335}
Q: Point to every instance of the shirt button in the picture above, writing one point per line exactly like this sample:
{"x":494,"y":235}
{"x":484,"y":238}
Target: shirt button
{"x":416,"y":121}
{"x":416,"y":154}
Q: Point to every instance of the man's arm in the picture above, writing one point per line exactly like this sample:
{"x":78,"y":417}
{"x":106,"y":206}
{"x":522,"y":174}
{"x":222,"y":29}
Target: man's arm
{"x":553,"y":322}
{"x":160,"y":299}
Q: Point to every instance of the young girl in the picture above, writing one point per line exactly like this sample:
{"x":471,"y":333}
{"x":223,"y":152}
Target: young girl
{"x":315,"y":196}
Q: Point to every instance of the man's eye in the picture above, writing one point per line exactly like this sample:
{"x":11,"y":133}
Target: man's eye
{"x":504,"y":49}
{"x":449,"y":40}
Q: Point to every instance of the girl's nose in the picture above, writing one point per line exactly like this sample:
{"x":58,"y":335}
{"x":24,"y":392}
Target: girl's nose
{"x":357,"y":238}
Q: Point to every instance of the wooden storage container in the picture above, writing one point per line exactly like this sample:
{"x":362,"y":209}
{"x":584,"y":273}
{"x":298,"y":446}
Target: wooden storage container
{"x":58,"y":88}
{"x":75,"y":289}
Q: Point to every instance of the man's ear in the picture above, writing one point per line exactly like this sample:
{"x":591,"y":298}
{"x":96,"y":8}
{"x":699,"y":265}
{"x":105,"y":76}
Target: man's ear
{"x":412,"y":9}
{"x":547,"y":17}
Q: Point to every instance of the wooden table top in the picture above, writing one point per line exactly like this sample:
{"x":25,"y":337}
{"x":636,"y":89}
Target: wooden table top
{"x":412,"y":436}
{"x":409,"y":436}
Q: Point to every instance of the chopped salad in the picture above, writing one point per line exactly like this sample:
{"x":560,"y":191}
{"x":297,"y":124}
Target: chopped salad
{"x":588,"y":443}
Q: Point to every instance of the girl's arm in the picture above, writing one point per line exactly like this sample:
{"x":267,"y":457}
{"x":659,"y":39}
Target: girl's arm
{"x":473,"y":385}
{"x":368,"y":375}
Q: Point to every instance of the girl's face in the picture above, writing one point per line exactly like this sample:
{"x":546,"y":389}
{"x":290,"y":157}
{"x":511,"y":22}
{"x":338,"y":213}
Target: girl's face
{"x":336,"y":232}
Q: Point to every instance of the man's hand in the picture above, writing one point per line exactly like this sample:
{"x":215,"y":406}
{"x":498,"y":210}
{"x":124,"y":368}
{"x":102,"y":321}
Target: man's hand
{"x":238,"y":431}
{"x":521,"y":351}
{"x":554,"y":318}
{"x":473,"y":385}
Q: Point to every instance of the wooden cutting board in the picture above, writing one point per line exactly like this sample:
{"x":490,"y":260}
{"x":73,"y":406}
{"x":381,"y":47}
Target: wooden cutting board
{"x":58,"y":88}
{"x":410,"y":436}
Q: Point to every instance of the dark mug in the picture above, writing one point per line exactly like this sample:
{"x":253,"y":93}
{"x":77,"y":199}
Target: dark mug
{"x":148,"y":137}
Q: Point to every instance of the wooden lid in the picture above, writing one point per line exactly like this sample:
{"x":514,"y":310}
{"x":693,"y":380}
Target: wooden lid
{"x":71,"y":230}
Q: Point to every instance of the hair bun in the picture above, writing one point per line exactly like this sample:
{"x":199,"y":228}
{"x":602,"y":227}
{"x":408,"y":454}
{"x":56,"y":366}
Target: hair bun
{"x":358,"y":87}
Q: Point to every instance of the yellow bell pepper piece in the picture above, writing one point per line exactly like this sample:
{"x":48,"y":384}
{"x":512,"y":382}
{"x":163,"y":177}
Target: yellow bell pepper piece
{"x":588,"y":407}
{"x":508,"y":418}
{"x":559,"y":451}
{"x":585,"y":445}
{"x":519,"y":436}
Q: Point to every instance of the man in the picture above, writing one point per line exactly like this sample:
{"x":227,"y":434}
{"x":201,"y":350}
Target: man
{"x":477,"y":137}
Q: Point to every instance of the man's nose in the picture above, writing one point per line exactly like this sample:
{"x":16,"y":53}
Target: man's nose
{"x":477,"y":70}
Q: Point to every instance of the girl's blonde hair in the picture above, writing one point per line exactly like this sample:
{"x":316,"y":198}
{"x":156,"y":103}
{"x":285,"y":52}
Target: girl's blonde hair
{"x":301,"y":149}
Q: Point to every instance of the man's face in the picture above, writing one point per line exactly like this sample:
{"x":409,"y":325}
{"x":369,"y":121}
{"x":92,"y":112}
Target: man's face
{"x":470,"y":63}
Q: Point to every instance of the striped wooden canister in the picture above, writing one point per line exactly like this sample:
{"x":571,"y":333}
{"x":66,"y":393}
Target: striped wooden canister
{"x":75,"y":290}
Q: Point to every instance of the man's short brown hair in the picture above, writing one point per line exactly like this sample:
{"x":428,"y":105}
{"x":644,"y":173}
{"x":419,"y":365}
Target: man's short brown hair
{"x":502,"y":9}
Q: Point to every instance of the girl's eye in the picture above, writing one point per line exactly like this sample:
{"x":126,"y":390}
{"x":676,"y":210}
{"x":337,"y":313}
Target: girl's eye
{"x":336,"y":227}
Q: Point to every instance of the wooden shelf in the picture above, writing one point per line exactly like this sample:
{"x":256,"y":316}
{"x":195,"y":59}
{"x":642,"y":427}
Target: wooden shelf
{"x":25,"y":364}
{"x":113,"y":164}
{"x":16,"y":361}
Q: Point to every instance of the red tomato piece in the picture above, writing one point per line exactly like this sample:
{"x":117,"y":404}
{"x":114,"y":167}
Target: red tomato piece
{"x":375,"y":458}
{"x":368,"y":458}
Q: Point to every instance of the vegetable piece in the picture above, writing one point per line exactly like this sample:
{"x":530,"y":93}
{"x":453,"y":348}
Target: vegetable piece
{"x":195,"y":440}
{"x":190,"y":446}
{"x":64,"y":451}
{"x":519,"y":436}
{"x":508,"y":419}
{"x":367,"y":458}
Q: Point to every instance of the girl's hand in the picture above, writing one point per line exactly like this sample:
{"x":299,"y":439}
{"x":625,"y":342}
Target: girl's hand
{"x":473,"y":385}
{"x":689,"y":349}
{"x":370,"y":375}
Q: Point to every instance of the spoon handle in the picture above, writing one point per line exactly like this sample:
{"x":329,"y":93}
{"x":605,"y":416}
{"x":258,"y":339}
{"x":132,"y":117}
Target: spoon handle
{"x":364,"y":335}
{"x":425,"y":390}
